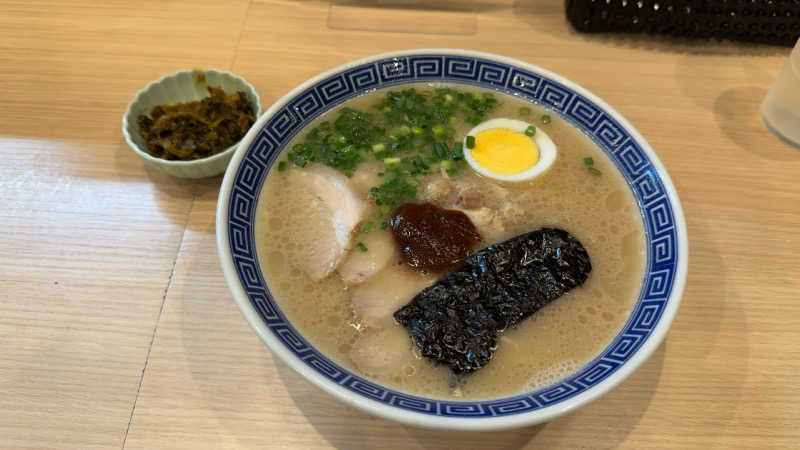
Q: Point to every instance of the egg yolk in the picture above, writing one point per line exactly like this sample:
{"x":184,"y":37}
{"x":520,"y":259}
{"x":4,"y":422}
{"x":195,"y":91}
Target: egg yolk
{"x":505,"y":151}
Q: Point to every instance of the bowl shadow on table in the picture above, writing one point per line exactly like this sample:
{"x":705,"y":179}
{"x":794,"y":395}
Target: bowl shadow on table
{"x":712,"y":329}
{"x":550,"y":17}
{"x":168,"y":189}
{"x":629,"y":401}
{"x":737,"y":112}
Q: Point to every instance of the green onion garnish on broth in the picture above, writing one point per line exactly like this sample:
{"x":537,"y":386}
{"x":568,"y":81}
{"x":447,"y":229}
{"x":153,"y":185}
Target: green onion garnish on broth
{"x":530,"y":131}
{"x":413,"y":131}
{"x":588,"y":161}
{"x":367,"y":226}
{"x":593,"y":171}
{"x":440,"y":150}
{"x":282,"y":166}
{"x":524,"y":111}
{"x":361,"y":246}
{"x":392,"y":162}
{"x":458,"y":150}
{"x":470,"y":142}
{"x":384,"y":225}
{"x":546,"y":119}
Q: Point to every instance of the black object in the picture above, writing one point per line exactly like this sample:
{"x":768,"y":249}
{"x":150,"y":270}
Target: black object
{"x":766,"y":21}
{"x":456,"y":320}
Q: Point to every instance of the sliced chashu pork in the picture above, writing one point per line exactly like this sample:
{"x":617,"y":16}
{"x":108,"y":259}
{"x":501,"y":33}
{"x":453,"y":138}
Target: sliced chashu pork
{"x":358,"y":266}
{"x":473,"y":196}
{"x":383,"y":352}
{"x":375,"y":301}
{"x":334,"y":211}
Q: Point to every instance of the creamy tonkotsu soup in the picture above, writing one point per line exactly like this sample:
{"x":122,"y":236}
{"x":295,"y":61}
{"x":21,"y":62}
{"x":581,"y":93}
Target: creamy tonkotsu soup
{"x":332,"y":264}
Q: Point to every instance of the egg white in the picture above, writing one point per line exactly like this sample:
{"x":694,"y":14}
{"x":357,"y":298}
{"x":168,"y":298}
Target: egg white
{"x":547,"y":150}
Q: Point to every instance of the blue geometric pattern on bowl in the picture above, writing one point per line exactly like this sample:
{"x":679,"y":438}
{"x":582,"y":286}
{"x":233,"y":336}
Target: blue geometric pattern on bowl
{"x":654,"y":205}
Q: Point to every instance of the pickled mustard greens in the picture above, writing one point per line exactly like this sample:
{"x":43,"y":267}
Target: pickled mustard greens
{"x":411,"y":131}
{"x":193,"y":130}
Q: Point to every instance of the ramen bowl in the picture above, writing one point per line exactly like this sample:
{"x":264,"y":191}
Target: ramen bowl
{"x":658,"y":207}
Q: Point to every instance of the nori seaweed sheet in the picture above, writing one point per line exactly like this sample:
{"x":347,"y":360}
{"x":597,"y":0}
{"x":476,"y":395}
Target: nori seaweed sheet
{"x":456,"y":320}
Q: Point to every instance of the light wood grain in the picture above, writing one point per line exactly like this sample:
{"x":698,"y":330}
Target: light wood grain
{"x":95,"y":244}
{"x":89,"y":235}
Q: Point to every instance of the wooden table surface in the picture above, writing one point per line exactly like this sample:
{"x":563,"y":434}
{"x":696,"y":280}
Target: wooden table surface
{"x":117,"y":329}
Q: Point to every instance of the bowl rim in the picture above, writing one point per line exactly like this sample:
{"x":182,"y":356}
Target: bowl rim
{"x":180,"y":163}
{"x":544,"y":414}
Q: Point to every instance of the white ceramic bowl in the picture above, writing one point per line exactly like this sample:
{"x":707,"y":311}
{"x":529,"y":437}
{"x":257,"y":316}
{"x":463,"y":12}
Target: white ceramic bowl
{"x":178,"y":87}
{"x":662,"y":217}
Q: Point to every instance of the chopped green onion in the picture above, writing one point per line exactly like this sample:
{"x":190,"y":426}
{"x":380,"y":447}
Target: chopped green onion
{"x":384,"y":225}
{"x":440,"y":150}
{"x":524,"y":111}
{"x":361,"y":246}
{"x":390,"y":162}
{"x":367,"y":226}
{"x":593,"y":171}
{"x":546,"y":119}
{"x":458,"y":150}
{"x":281,"y":166}
{"x":470,"y":142}
{"x":588,"y":161}
{"x":530,"y":131}
{"x":412,"y":131}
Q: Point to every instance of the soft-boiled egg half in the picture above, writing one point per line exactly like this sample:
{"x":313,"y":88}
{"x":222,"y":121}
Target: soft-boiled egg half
{"x":509,"y":150}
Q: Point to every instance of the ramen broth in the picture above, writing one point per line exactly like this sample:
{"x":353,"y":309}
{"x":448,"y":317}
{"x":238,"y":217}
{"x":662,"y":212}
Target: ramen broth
{"x":557,"y":340}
